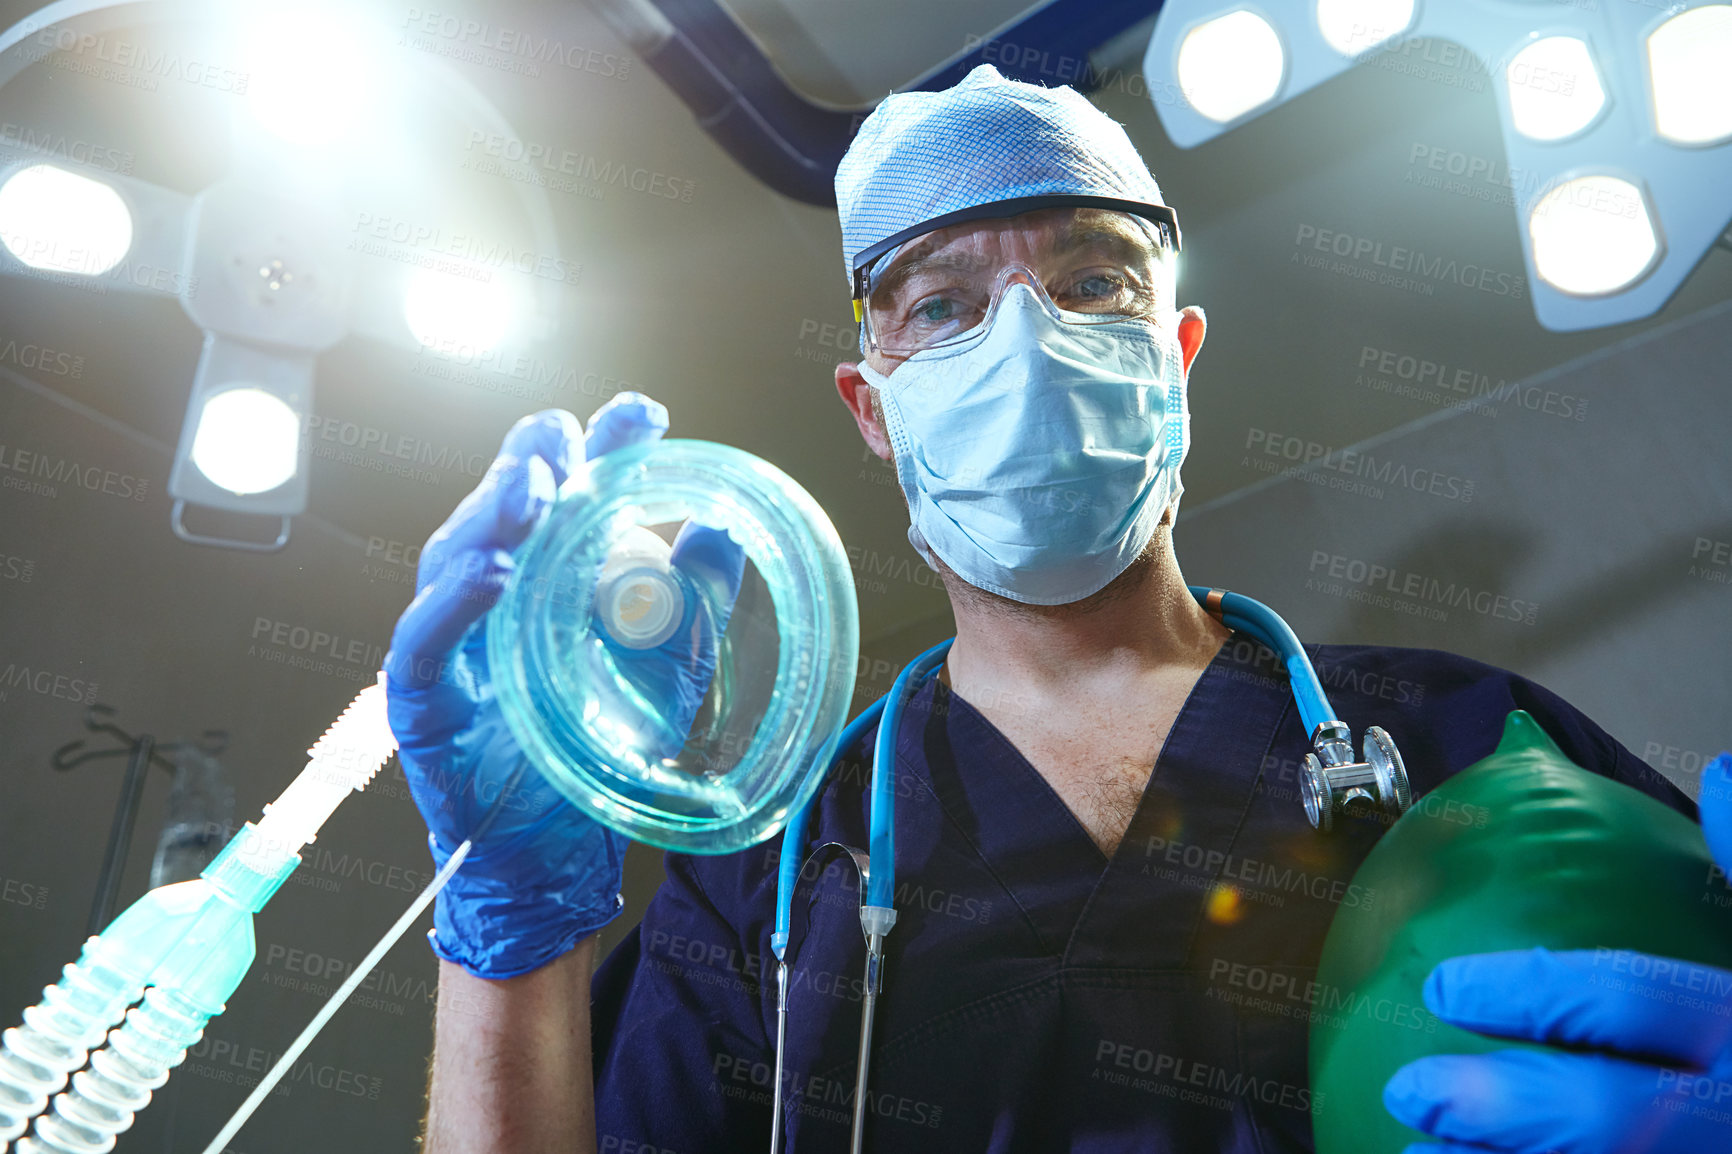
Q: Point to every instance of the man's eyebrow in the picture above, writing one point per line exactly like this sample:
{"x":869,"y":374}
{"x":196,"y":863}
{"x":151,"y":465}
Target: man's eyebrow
{"x":1113,"y":235}
{"x":905,"y":269}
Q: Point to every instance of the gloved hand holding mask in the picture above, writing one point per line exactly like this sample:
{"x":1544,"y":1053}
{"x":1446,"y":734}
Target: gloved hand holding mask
{"x":541,"y":876}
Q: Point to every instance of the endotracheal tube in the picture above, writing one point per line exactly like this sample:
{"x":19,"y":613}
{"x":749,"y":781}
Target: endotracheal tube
{"x":183,"y":948}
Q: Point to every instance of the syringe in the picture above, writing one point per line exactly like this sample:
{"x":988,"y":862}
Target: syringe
{"x":184,"y":948}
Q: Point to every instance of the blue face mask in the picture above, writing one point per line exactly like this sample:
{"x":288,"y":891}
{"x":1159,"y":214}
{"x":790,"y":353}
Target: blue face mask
{"x":1038,"y":458}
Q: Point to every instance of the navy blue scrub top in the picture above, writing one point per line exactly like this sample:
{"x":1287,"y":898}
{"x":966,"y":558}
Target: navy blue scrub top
{"x":1039,"y":996}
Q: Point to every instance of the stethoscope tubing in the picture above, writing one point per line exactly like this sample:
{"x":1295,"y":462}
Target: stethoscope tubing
{"x":794,"y":833}
{"x":881,"y":846}
{"x":1257,"y":620}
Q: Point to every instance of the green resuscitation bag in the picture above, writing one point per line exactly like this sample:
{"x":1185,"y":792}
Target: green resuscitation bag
{"x":1521,"y":849}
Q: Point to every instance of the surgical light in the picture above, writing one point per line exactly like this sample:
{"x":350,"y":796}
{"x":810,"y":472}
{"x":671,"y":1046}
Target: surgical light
{"x":326,"y":114}
{"x":1231,"y":65}
{"x":311,"y":79}
{"x":1554,"y":89}
{"x":1354,"y":26}
{"x":451,"y":311}
{"x":248,"y":441}
{"x":1616,"y":119}
{"x":1690,"y":71}
{"x":1592,"y":235}
{"x":58,"y":221}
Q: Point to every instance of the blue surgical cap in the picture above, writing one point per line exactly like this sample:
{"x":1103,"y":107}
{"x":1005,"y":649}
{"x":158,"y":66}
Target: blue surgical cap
{"x":921,"y":155}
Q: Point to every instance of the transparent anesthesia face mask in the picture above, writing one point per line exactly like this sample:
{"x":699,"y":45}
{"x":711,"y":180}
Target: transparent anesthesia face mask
{"x":674,"y":683}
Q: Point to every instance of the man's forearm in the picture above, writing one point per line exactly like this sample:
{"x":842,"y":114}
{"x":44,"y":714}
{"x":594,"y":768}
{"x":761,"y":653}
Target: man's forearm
{"x":511,"y":1061}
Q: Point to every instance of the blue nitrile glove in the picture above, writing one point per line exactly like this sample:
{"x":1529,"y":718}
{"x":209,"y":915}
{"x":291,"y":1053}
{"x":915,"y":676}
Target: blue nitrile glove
{"x":543,"y":876}
{"x":1652,"y":1067}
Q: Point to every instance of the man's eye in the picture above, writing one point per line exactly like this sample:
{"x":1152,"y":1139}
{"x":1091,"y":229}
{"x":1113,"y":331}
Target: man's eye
{"x":934,"y":310}
{"x":1101,"y":291}
{"x":1101,"y":285}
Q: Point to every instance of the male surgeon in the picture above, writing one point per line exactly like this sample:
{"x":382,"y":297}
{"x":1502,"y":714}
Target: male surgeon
{"x":1101,"y":851}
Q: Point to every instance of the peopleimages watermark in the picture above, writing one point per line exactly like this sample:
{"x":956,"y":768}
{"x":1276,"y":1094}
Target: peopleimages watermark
{"x":42,"y":359}
{"x":1287,"y":994}
{"x":1054,"y":68}
{"x":310,"y":972}
{"x":828,"y":1099}
{"x":1347,"y":470}
{"x":512,"y":372}
{"x":1474,"y":177}
{"x":1662,"y":756}
{"x":30,"y":895}
{"x":1378,"y":262}
{"x":698,"y":962}
{"x":1687,"y":1091}
{"x":381,"y":451}
{"x":618,"y":1144}
{"x":451,"y":785}
{"x":548,"y":166}
{"x":1458,"y":387}
{"x":71,"y":261}
{"x":876,"y":470}
{"x":391,"y":561}
{"x":1404,"y":591}
{"x":226,"y":1061}
{"x":1711,"y":561}
{"x":509,"y":49}
{"x":1208,"y":865}
{"x":399,"y":445}
{"x":315,"y":650}
{"x":127,"y":62}
{"x":41,"y":474}
{"x":1188,"y":1080}
{"x":25,"y":678}
{"x":871,"y":568}
{"x":1437,"y":61}
{"x":325,"y":869}
{"x":1665,"y":979}
{"x":456,"y":253}
{"x":70,"y":149}
{"x":826,"y":341}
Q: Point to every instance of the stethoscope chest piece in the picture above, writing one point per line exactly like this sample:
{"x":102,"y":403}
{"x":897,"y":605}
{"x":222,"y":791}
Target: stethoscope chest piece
{"x":1335,"y":785}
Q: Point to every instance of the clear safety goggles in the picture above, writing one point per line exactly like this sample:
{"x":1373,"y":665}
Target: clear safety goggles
{"x":936,"y":285}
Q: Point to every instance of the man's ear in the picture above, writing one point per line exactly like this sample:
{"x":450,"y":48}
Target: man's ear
{"x":857,"y":395}
{"x":1192,"y":327}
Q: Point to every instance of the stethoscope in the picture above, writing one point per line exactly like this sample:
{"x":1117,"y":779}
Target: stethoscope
{"x":1333,"y":784}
